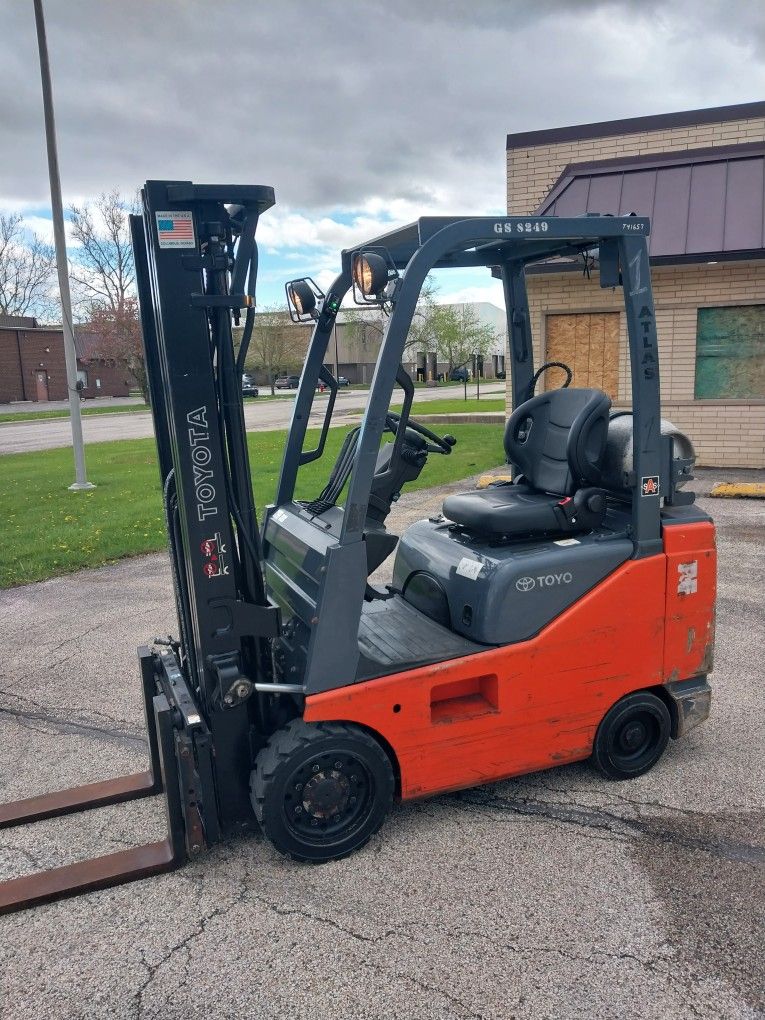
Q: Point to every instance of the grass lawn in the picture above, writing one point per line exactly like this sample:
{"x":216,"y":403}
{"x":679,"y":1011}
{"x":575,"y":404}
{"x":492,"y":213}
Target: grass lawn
{"x":49,"y":530}
{"x":457,"y":405}
{"x":34,"y":415}
{"x":450,"y":405}
{"x":125,"y":408}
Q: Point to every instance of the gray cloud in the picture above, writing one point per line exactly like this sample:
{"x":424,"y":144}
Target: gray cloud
{"x":333,"y":102}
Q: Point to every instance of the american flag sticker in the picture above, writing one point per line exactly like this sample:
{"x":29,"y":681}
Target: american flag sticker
{"x":176,"y":230}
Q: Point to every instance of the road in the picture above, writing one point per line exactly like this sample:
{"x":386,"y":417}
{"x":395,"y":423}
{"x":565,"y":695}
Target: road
{"x":558,"y":895}
{"x":260,"y":415}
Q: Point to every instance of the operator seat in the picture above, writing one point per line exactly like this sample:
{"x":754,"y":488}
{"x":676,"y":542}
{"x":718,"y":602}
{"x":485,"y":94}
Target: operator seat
{"x":556,"y":441}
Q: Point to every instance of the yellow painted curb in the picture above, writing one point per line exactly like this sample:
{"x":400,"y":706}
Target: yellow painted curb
{"x":739,"y":490}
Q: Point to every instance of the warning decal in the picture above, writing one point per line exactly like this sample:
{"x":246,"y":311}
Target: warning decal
{"x":688,"y":578}
{"x":650,"y":485}
{"x":469,"y":568}
{"x":176,"y":230}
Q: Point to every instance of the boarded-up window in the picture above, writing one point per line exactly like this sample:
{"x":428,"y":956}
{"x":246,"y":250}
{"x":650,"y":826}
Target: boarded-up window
{"x":730,"y":352}
{"x":589,"y":345}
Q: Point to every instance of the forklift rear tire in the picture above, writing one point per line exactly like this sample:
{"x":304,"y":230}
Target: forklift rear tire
{"x":319,"y":791}
{"x":632,"y":736}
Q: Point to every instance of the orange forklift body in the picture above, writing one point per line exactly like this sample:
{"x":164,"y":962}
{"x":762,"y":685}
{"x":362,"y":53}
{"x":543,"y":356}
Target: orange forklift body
{"x":538,"y":703}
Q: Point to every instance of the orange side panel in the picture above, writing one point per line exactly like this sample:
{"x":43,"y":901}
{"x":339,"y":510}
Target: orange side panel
{"x":691,"y":592}
{"x":523,"y":707}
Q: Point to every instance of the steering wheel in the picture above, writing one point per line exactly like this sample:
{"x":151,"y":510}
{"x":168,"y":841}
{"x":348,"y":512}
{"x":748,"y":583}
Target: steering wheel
{"x":540,"y":371}
{"x":435,"y":444}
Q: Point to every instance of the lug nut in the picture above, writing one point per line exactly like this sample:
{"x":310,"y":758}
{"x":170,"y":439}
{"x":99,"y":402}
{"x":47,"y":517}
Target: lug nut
{"x":298,"y":809}
{"x":298,"y":787}
{"x":315,"y":768}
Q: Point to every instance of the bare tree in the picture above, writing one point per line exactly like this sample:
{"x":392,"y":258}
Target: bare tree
{"x":103,"y":274}
{"x":26,"y":270}
{"x":115,"y":337}
{"x":365,"y":325}
{"x":277,"y":344}
{"x":102,"y":266}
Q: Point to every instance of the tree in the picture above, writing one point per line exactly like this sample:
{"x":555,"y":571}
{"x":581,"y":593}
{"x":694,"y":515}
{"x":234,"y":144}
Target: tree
{"x":459,"y":334}
{"x":103,"y":275}
{"x":277,"y":344}
{"x":103,"y":272}
{"x":366,"y":325}
{"x":115,"y":337}
{"x":26,"y":271}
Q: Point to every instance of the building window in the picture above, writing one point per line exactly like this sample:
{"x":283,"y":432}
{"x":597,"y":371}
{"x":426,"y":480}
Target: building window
{"x":82,"y":377}
{"x":730,"y":353}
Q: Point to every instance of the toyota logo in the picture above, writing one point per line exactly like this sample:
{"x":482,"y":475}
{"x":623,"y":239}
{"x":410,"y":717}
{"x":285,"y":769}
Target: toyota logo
{"x":525,"y":583}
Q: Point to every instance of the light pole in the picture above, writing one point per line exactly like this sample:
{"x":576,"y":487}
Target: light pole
{"x":59,"y":239}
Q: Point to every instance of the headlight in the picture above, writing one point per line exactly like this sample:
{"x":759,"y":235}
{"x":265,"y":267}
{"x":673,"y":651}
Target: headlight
{"x":370,"y":273}
{"x":301,"y":296}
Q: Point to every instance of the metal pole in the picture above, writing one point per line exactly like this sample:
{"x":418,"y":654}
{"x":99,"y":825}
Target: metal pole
{"x":81,"y":481}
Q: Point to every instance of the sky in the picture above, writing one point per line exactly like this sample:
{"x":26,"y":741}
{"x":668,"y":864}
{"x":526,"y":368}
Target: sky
{"x":362,"y":114}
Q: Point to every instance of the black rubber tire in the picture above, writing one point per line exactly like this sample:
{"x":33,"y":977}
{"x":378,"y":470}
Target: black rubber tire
{"x":632,"y":736}
{"x":298,"y":749}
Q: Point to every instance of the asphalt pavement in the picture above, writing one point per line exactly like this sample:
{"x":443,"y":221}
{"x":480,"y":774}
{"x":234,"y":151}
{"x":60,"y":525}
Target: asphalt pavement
{"x":557,"y":895}
{"x":260,"y":415}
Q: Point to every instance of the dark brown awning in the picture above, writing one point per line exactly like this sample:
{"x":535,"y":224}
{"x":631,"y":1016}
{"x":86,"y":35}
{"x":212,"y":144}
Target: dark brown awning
{"x":702,"y":202}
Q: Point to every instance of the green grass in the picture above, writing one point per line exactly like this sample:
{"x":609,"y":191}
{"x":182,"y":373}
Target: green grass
{"x":450,"y":405}
{"x":34,"y":415}
{"x":124,"y":408}
{"x":49,"y":530}
{"x":457,"y":405}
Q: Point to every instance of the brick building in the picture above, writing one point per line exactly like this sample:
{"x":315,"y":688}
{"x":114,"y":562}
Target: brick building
{"x":700,"y":177}
{"x":32,"y":365}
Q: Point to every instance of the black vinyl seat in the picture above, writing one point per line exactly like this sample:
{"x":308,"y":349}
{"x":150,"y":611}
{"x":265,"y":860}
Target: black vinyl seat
{"x":556,"y":441}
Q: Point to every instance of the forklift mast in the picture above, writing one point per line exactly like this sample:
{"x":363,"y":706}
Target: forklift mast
{"x":196,"y":266}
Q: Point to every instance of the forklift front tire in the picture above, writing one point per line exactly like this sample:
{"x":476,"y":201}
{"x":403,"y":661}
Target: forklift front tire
{"x":632,"y":736}
{"x":321,"y":790}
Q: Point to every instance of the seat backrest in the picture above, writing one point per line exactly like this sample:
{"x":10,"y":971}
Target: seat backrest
{"x":557,"y":439}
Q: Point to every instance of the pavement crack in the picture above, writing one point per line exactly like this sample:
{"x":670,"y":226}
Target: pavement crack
{"x":285,"y":911}
{"x":424,"y":986}
{"x":184,"y":944}
{"x":586,"y":817}
{"x":57,"y":726}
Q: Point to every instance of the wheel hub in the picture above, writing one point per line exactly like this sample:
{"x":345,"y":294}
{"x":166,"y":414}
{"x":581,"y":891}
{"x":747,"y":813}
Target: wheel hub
{"x":633,"y":736}
{"x":326,"y":794}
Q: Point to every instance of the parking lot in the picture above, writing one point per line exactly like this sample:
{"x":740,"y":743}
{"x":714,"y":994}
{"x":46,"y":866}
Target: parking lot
{"x":556,"y":895}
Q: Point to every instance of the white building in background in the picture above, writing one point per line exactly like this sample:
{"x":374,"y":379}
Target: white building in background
{"x":352,"y":352}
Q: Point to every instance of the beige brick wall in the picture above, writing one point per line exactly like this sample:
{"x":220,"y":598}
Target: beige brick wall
{"x":725,"y":433}
{"x":532,"y":171}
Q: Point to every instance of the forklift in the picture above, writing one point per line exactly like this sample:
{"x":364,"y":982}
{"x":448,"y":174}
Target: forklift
{"x":562,"y":615}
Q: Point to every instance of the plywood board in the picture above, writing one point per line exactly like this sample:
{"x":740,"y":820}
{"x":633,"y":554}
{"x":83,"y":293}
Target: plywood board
{"x":589,"y":344}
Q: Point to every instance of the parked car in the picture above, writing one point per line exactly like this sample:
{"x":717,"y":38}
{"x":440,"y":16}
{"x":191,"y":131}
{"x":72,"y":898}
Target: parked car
{"x":459,"y":375}
{"x":342,"y":381}
{"x":287,"y":382}
{"x":249,"y":389}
